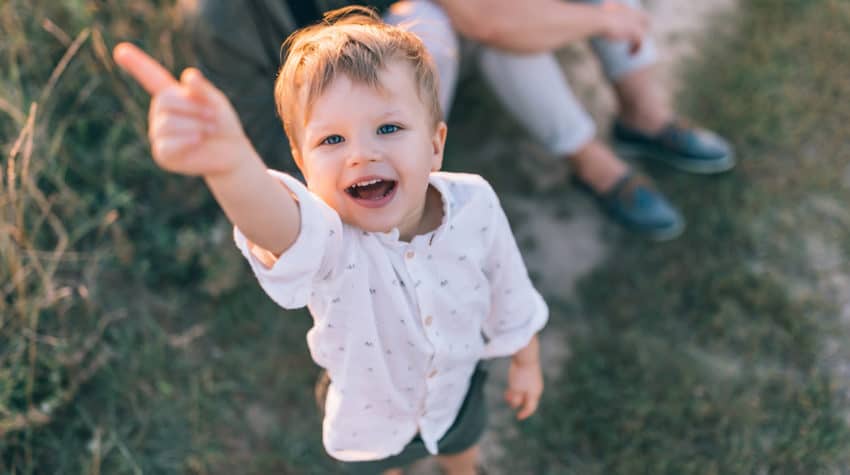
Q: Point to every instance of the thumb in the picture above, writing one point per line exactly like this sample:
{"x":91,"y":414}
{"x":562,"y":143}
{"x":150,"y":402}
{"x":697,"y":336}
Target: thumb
{"x":513,"y":398}
{"x":200,"y":88}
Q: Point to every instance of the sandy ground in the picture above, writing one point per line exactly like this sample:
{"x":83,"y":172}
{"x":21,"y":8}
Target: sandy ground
{"x":559,"y":263}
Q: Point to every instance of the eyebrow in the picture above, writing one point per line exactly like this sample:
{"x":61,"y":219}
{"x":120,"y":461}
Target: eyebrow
{"x":392,"y":113}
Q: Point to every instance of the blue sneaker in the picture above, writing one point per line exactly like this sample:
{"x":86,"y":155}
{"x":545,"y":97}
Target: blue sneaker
{"x":639,"y":207}
{"x":679,"y":145}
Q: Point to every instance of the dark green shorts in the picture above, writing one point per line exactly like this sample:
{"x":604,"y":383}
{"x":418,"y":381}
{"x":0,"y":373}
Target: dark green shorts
{"x":464,"y":432}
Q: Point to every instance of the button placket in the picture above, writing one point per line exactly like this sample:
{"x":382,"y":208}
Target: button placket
{"x":410,"y":255}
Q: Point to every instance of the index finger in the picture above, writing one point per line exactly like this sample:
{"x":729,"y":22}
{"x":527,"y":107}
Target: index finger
{"x":144,"y":69}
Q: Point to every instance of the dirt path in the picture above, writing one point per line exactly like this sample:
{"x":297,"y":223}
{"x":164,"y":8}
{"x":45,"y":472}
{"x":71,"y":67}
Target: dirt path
{"x":559,"y":263}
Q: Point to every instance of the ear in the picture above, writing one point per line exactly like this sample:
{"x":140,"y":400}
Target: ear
{"x":438,"y":145}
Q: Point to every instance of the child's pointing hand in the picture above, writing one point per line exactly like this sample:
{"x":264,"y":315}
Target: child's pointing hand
{"x":192,"y":127}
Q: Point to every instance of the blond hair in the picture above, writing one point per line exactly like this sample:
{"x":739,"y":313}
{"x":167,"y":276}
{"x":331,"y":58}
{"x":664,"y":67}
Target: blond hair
{"x":352,"y":41}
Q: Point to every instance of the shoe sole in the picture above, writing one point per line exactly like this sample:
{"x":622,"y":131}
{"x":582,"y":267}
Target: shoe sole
{"x":676,"y":161}
{"x":664,"y":234}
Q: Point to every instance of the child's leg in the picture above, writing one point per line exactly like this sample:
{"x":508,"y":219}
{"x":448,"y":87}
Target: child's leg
{"x":463,"y":463}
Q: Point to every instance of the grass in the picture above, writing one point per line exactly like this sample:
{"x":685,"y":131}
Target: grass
{"x":710,"y":354}
{"x":127,"y":347}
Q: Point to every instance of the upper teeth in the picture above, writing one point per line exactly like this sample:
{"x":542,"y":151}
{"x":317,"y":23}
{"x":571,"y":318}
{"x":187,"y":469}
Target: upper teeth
{"x":366,"y":183}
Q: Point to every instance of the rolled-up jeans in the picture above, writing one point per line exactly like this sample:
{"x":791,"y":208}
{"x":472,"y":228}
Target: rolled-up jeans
{"x":531,"y":86}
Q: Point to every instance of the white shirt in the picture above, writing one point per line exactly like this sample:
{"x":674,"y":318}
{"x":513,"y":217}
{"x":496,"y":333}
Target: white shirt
{"x":401,"y":326}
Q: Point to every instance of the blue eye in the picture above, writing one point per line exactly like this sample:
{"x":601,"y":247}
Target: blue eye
{"x":388,"y":129}
{"x":332,"y":140}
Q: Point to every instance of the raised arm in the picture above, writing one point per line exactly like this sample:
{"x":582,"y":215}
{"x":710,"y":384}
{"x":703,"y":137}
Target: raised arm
{"x":194,"y":130}
{"x":534,"y":26}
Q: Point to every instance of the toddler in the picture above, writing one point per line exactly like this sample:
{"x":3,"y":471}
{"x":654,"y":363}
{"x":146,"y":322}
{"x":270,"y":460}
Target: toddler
{"x":412,"y":275}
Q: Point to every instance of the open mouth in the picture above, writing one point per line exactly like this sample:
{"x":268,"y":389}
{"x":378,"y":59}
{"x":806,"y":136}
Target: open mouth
{"x":373,"y":190}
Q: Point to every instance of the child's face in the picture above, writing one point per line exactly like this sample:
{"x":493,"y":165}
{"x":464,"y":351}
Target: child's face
{"x":368,"y":152}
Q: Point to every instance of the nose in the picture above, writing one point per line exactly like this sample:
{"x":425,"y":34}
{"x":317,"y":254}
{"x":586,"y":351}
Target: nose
{"x":362,"y":151}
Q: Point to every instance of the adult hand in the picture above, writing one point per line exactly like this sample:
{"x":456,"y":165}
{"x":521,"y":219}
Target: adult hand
{"x":525,"y":385}
{"x":624,"y":23}
{"x":192,"y":127}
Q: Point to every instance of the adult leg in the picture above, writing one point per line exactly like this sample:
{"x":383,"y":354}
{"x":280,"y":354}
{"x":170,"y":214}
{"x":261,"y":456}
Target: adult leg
{"x":532,"y":87}
{"x":237,"y":48}
{"x":646,"y":123}
{"x":431,"y":24}
{"x":643,"y":104}
{"x":535,"y":90}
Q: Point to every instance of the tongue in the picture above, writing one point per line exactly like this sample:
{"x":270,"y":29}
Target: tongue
{"x":373,"y":192}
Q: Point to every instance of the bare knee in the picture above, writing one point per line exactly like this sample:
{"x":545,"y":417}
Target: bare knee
{"x":462,"y":463}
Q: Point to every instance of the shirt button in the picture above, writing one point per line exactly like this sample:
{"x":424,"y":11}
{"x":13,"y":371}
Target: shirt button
{"x":428,"y":320}
{"x":432,"y":373}
{"x":410,"y":254}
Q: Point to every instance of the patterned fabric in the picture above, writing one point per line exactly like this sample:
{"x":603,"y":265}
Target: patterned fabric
{"x":400,"y":326}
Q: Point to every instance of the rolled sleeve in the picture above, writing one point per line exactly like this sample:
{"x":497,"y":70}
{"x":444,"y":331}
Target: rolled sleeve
{"x":290,"y":280}
{"x":517,"y":310}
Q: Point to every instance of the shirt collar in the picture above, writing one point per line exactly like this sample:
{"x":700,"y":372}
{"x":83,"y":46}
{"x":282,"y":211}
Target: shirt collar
{"x":443,"y":187}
